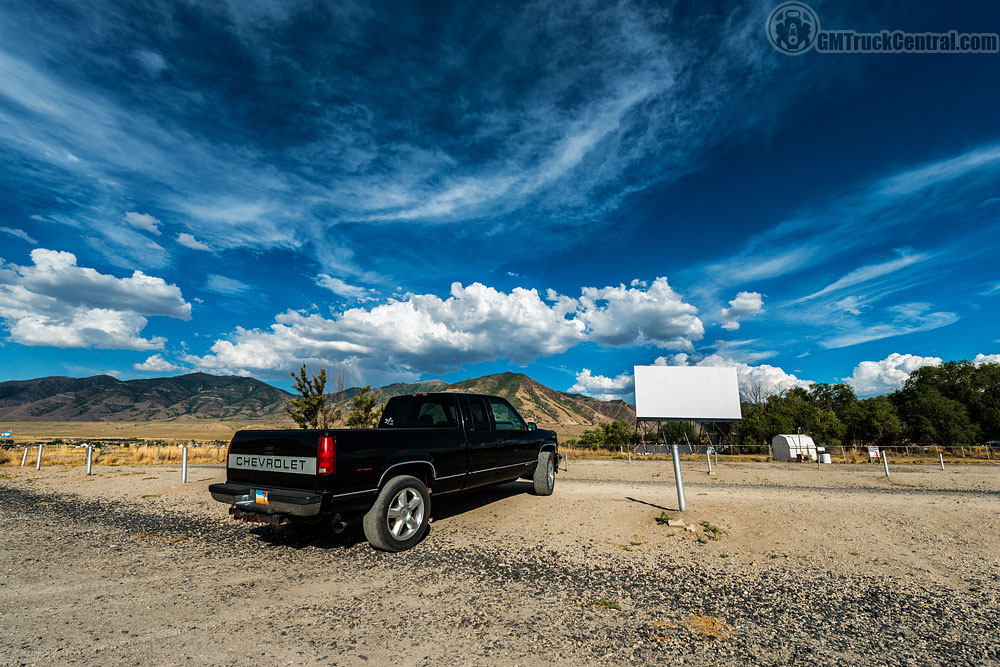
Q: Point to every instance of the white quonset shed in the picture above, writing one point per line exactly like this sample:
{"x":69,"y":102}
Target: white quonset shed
{"x":791,"y":447}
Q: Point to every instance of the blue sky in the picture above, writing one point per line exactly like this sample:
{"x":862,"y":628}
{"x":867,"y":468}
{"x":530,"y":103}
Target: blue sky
{"x":562,"y":189}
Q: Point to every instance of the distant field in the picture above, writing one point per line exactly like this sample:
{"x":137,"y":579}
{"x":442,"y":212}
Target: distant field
{"x":173,"y":430}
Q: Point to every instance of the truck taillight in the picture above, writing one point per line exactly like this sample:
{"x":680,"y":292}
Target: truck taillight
{"x":326,"y":456}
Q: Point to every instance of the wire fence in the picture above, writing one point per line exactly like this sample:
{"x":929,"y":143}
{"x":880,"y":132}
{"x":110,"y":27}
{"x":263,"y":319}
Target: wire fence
{"x":74,"y":455}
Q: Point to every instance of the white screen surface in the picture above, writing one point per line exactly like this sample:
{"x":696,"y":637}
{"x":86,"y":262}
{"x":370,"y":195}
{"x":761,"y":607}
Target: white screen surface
{"x":697,"y":393}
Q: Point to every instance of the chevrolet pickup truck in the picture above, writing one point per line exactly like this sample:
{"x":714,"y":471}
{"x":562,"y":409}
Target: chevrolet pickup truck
{"x":424,"y":445}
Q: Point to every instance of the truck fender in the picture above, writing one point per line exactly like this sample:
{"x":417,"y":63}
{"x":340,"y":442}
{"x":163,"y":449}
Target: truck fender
{"x":418,"y":469}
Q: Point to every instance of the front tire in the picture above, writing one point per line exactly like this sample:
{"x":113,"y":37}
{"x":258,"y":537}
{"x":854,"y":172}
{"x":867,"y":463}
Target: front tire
{"x":398,"y":519}
{"x":544,"y":479}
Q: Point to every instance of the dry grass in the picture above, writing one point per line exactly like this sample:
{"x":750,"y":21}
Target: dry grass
{"x":708,"y":626}
{"x":67,"y":455}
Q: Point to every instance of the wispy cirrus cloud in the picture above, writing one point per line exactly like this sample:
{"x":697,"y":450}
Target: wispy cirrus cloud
{"x":904,"y":319}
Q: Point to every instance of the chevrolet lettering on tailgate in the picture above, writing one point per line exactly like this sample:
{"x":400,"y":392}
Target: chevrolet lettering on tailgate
{"x":290,"y":464}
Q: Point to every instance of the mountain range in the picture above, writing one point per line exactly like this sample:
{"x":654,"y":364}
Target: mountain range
{"x":203,"y":396}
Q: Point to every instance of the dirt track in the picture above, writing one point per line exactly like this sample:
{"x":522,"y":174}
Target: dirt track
{"x":836,"y":566}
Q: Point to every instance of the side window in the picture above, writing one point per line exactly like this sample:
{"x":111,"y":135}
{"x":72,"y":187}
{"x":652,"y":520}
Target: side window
{"x":505,"y":417}
{"x":480,"y":420}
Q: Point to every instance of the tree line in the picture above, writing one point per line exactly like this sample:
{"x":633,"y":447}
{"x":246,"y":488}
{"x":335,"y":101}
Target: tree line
{"x":952,"y":405}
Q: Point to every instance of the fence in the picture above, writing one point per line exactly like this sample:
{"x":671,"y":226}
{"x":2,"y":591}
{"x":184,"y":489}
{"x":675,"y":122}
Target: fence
{"x":89,"y":456}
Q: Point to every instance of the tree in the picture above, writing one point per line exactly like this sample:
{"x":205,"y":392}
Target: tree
{"x":933,"y":419}
{"x":363,"y":413}
{"x":835,"y":398}
{"x":874,"y":421}
{"x":312,"y":409}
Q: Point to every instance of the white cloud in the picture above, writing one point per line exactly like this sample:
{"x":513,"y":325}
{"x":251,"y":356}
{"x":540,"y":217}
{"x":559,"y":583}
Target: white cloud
{"x":225,"y":285}
{"x":156,"y":363}
{"x":764,"y":377}
{"x":907,"y":318}
{"x":866,"y":273}
{"x":339,"y":287}
{"x":986,"y":359}
{"x":881,"y":377}
{"x":744,"y":305}
{"x":57,"y":303}
{"x":637,"y":315}
{"x":18,"y":234}
{"x":143,"y":221}
{"x":423,"y":333}
{"x":604,"y":388}
{"x":189,"y":241}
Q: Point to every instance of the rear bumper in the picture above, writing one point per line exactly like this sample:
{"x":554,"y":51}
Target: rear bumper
{"x":280,"y":501}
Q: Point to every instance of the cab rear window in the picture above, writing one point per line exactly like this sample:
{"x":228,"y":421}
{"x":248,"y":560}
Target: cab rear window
{"x":420,"y":412}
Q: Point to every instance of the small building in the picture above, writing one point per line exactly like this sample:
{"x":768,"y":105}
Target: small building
{"x":793,"y":447}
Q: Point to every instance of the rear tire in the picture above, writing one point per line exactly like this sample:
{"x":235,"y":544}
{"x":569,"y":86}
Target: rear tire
{"x":398,"y":519}
{"x":544,"y":479}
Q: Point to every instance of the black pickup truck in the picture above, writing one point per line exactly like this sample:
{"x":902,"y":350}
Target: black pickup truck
{"x":425,"y":444}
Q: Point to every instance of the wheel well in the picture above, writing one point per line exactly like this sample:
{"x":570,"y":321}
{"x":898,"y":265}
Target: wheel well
{"x":547,"y":447}
{"x":422,"y":470}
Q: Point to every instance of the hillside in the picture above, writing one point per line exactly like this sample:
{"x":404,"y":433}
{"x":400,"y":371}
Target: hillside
{"x":202,"y":396}
{"x":104,"y":398}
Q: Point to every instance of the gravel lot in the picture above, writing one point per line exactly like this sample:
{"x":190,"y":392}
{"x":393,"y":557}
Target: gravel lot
{"x":832,"y":566}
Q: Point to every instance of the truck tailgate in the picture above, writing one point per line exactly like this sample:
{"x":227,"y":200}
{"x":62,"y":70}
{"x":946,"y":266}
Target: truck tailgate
{"x":285,"y":459}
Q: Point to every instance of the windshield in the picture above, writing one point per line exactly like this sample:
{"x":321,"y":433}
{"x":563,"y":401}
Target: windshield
{"x":420,"y":412}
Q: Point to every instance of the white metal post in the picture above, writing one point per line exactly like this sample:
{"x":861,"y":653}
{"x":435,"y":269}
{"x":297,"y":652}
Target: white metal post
{"x":184,"y":464}
{"x":885,"y":463}
{"x":941,"y":457}
{"x":677,"y":477}
{"x":709,"y":457}
{"x":90,"y":458}
{"x":38,"y":463}
{"x":24,"y":458}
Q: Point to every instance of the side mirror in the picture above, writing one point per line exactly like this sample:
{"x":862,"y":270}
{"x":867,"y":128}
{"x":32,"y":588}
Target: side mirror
{"x":531,"y":426}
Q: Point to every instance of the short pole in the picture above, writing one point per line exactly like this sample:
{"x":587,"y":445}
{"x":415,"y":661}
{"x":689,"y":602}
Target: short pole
{"x":709,"y":457}
{"x":630,"y":455}
{"x":941,"y":458}
{"x":677,"y":477}
{"x":38,"y":463}
{"x":184,"y":464}
{"x":770,"y":456}
{"x":90,"y":458}
{"x":885,"y":463}
{"x":24,"y":459}
{"x":819,"y":460}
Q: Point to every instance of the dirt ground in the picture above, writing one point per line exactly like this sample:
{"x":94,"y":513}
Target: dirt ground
{"x":786,"y":564}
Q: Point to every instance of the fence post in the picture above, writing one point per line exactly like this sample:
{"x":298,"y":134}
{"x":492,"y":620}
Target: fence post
{"x":184,"y":464}
{"x":677,"y":477}
{"x":90,"y":458}
{"x":38,"y":463}
{"x":885,"y":463}
{"x":709,"y":457}
{"x":24,"y":458}
{"x":941,"y":458}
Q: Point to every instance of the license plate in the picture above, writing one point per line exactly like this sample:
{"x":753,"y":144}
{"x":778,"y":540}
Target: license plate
{"x":260,"y":497}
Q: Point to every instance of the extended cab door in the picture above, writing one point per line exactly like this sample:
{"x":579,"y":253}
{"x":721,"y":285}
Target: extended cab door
{"x":482,"y":441}
{"x":517,"y":445}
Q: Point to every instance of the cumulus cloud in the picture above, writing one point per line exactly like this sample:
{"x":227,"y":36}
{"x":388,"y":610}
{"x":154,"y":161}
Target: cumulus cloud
{"x":189,"y":241}
{"x":423,"y":333}
{"x":57,"y":303}
{"x":339,"y":287}
{"x":143,"y":221}
{"x":18,"y":234}
{"x":881,"y":377}
{"x":762,"y":379}
{"x":744,"y":305}
{"x":986,"y":359}
{"x":603,"y":387}
{"x":156,"y":363}
{"x":638,"y":315}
